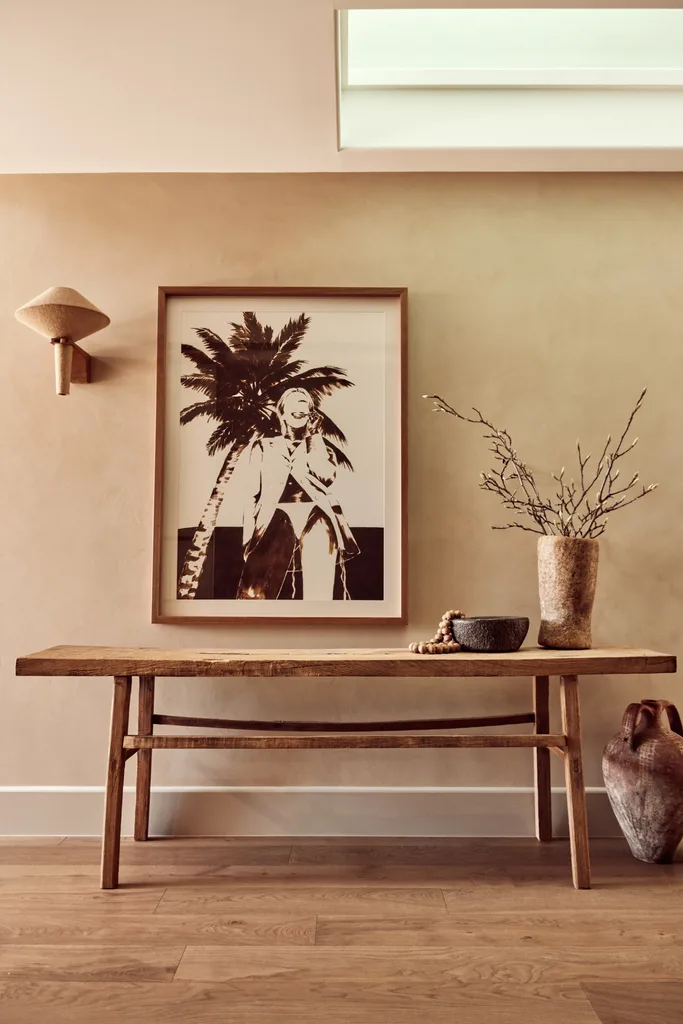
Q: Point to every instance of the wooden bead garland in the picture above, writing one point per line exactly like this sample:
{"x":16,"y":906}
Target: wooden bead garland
{"x":442,"y":642}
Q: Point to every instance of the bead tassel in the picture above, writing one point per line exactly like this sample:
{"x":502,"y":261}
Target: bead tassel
{"x":442,"y":642}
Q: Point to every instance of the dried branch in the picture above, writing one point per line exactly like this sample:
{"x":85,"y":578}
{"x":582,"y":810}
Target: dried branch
{"x":576,"y":509}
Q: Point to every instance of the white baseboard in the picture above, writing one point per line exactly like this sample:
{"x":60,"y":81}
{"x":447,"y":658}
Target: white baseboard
{"x":298,"y":811}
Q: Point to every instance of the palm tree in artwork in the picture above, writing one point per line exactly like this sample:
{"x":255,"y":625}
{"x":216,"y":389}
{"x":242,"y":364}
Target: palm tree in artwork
{"x":241,"y":380}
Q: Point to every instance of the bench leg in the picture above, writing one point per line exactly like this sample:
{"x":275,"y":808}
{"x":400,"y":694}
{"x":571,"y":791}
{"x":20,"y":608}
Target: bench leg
{"x":113,"y":802}
{"x":143,"y":781}
{"x":576,"y":792}
{"x":542,"y":794}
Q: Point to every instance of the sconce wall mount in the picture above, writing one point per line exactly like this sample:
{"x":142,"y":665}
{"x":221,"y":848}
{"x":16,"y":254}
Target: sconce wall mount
{"x":65,"y":317}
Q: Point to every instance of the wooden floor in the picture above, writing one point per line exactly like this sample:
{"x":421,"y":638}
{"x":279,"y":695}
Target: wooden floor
{"x":208,"y":931}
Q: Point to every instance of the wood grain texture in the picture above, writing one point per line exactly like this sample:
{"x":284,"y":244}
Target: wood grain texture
{"x":30,"y":851}
{"x":469,"y":880}
{"x":466,"y":855}
{"x":455,"y":864}
{"x":26,"y":842}
{"x":576,"y":791}
{"x":496,"y":936}
{"x":322,"y":900}
{"x":517,"y":896}
{"x":345,"y":741}
{"x":433,"y":975}
{"x":143,"y":780}
{"x":113,"y":800}
{"x":184,"y":1002}
{"x":176,"y":851}
{"x":39,"y":927}
{"x":638,"y":1002}
{"x":87,"y":880}
{"x":542,"y":790}
{"x":384,"y":726}
{"x":117,"y":901}
{"x":89,"y":962}
{"x":521,"y":929}
{"x":123,"y":661}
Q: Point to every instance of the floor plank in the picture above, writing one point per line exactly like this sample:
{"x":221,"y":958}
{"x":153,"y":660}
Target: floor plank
{"x":416,"y":974}
{"x":473,"y":852}
{"x":43,"y":880}
{"x":513,"y":869}
{"x":114,"y":901}
{"x":490,"y":928}
{"x":38,"y":927}
{"x":206,"y":843}
{"x":202,"y":876}
{"x":605,"y":895}
{"x":30,"y":841}
{"x":90,"y":963}
{"x":420,"y":853}
{"x":517,"y":859}
{"x":31,"y":1002}
{"x":333,"y":900}
{"x":641,"y":1003}
{"x":188,"y":851}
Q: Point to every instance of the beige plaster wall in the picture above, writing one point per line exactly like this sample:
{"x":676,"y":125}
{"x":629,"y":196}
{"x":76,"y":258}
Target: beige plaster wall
{"x":547,"y":301}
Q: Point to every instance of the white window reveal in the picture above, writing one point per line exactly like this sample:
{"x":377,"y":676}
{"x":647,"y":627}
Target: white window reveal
{"x":584,"y":79}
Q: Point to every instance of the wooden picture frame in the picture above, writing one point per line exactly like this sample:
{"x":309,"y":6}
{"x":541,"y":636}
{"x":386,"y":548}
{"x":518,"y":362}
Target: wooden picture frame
{"x":293,"y":402}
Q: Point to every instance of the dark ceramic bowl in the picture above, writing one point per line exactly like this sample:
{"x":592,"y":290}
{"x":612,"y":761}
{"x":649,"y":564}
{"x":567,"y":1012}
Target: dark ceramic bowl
{"x":491,"y":634}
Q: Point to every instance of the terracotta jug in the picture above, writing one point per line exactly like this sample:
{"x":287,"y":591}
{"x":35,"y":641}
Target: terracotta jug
{"x":643,"y":769}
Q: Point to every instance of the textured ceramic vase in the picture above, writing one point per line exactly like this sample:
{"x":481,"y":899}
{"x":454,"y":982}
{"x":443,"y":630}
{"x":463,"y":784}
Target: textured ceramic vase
{"x":643,"y":769}
{"x":567,"y":574}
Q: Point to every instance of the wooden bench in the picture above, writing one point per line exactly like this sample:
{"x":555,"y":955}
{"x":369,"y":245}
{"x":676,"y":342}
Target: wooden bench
{"x":147,"y":663}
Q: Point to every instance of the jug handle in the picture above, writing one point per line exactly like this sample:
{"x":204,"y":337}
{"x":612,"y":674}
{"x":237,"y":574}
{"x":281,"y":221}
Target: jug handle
{"x":671,"y":712}
{"x":674,"y":717}
{"x":630,"y":719}
{"x":653,"y":709}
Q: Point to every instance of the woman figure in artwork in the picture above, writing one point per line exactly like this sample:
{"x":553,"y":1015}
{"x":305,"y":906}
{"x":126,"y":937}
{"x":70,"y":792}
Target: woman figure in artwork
{"x":296,"y":539}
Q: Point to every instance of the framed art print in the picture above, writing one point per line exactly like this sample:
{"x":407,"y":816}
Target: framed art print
{"x":280,"y":455}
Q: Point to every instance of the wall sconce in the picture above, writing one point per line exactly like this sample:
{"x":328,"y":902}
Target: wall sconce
{"x":65,"y":317}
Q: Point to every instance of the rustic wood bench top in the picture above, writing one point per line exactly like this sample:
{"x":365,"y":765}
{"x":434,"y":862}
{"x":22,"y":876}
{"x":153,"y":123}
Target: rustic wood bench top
{"x":152,"y":661}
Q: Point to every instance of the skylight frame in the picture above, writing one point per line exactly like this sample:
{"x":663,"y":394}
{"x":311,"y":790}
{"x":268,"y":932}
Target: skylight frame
{"x":515,"y":122}
{"x":508,"y":78}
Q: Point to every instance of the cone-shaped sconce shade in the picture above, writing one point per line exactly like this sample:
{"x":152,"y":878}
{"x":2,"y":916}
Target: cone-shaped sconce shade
{"x":62,"y":313}
{"x":65,"y":316}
